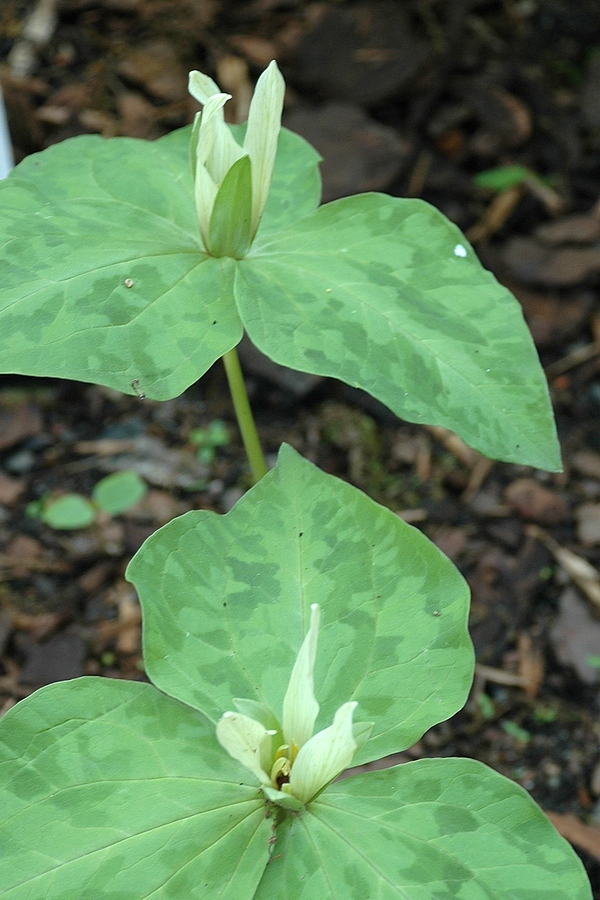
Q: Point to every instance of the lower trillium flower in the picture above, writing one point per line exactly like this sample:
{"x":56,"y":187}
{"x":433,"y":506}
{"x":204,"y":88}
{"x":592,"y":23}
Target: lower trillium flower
{"x":291,"y":763}
{"x":232,"y":182}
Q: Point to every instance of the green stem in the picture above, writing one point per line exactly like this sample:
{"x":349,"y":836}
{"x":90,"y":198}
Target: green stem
{"x":244,"y":416}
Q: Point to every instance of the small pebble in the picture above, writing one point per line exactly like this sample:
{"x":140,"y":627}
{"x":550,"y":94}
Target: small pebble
{"x":22,"y":461}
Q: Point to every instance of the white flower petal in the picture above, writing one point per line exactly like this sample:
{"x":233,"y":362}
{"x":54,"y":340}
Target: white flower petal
{"x":326,"y":755}
{"x":264,"y":125}
{"x":300,"y":707}
{"x":201,"y":87}
{"x":216,"y":149}
{"x":205,"y":193}
{"x":210,"y":119}
{"x":205,"y":186}
{"x":226,"y":151}
{"x":248,"y":741}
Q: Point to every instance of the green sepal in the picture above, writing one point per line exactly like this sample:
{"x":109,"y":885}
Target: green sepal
{"x":230,"y":228}
{"x":283,"y":800}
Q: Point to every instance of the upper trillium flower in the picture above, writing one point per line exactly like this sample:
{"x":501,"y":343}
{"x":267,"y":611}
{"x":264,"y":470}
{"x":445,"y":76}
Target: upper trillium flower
{"x":291,"y":763}
{"x":231,"y":181}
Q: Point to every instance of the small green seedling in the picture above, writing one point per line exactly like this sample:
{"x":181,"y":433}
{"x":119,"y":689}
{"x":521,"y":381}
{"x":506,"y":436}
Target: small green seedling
{"x":515,"y":731}
{"x":486,"y":706}
{"x":113,"y":494}
{"x":505,"y":177}
{"x":207,"y":440}
{"x":309,"y":629}
{"x":545,"y":714}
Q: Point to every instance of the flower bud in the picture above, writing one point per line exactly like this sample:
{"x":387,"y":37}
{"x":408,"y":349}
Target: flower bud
{"x":232,"y":182}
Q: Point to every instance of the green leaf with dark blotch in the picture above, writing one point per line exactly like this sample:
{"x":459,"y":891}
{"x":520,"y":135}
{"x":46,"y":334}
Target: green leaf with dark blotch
{"x":387,"y":295}
{"x":435,"y":829}
{"x":112,"y":791}
{"x":102,"y":274}
{"x":232,"y":594}
{"x":119,"y":491}
{"x":230,"y":225}
{"x":67,"y":512}
{"x":103,"y":277}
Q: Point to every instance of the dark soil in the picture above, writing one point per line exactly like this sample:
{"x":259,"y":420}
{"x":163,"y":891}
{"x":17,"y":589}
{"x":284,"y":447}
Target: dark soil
{"x":415,"y":99}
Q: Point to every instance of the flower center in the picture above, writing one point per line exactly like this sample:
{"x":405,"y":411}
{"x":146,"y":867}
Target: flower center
{"x":282,"y":764}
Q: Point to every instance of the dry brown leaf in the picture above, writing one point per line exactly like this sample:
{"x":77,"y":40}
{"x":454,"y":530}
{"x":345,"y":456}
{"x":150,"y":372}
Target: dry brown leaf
{"x":39,"y":626}
{"x":586,"y":837}
{"x":588,"y":523}
{"x":586,"y":462}
{"x":94,"y":578}
{"x":129,"y":624}
{"x":498,"y":676}
{"x":531,"y":664}
{"x":579,"y":229}
{"x":534,"y":502}
{"x":18,"y":424}
{"x":575,"y":635}
{"x":583,"y":573}
{"x":233,"y":77}
{"x":137,"y":117}
{"x":455,"y":445}
{"x":496,"y":214}
{"x":10,"y":489}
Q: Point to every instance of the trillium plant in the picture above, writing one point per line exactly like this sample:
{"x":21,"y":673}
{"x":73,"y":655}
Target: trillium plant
{"x":310,"y":629}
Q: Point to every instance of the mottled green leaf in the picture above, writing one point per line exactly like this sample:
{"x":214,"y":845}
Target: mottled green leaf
{"x":119,"y":491}
{"x":435,"y":829}
{"x":103,"y":277}
{"x":112,"y":791}
{"x":231,"y":595}
{"x":386,"y":294}
{"x":102,"y":274}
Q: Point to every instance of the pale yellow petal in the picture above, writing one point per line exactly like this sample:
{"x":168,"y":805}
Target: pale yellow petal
{"x":264,"y":125}
{"x":201,"y":87}
{"x":326,"y":755}
{"x":216,"y":149}
{"x":248,"y":741}
{"x":205,"y":191}
{"x":300,"y":707}
{"x":205,"y":186}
